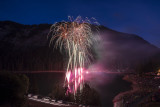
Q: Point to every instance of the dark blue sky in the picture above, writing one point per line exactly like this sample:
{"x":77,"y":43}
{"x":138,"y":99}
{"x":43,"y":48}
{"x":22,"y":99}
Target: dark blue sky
{"x":141,"y":17}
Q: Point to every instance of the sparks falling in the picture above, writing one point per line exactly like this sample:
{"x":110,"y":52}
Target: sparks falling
{"x":75,"y":79}
{"x":76,"y":38}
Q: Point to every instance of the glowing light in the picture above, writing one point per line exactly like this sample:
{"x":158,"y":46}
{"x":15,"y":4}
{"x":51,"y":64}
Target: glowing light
{"x":76,"y":38}
{"x":75,"y":77}
{"x":158,"y":72}
{"x":68,"y":74}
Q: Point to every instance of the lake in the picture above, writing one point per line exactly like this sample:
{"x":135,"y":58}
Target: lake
{"x":107,"y":84}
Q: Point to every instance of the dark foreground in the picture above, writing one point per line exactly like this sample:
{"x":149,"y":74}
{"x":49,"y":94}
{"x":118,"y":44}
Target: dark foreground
{"x":107,"y":84}
{"x":32,"y":103}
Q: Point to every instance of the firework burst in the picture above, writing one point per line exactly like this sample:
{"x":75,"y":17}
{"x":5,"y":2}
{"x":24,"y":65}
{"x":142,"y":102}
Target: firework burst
{"x":76,"y":38}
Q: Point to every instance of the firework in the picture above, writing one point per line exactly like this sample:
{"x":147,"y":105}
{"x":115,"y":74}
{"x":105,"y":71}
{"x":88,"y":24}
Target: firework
{"x":76,"y":38}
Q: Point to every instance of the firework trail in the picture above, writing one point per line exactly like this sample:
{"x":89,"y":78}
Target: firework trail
{"x":76,"y":38}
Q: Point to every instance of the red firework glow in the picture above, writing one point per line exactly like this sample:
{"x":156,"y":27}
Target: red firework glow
{"x":77,"y":38}
{"x":75,"y":79}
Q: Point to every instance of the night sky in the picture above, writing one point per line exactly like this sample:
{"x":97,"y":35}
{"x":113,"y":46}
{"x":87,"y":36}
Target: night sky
{"x":141,"y":17}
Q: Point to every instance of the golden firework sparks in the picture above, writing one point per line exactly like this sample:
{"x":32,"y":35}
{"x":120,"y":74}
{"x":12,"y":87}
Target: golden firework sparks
{"x":76,"y":37}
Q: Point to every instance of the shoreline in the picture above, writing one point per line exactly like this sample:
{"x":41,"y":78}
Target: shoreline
{"x":118,"y":97}
{"x":144,"y":88}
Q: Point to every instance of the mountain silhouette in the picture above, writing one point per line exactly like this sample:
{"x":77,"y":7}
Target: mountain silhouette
{"x":26,"y":48}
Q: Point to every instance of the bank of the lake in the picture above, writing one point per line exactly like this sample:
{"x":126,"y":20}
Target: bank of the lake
{"x":112,"y":85}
